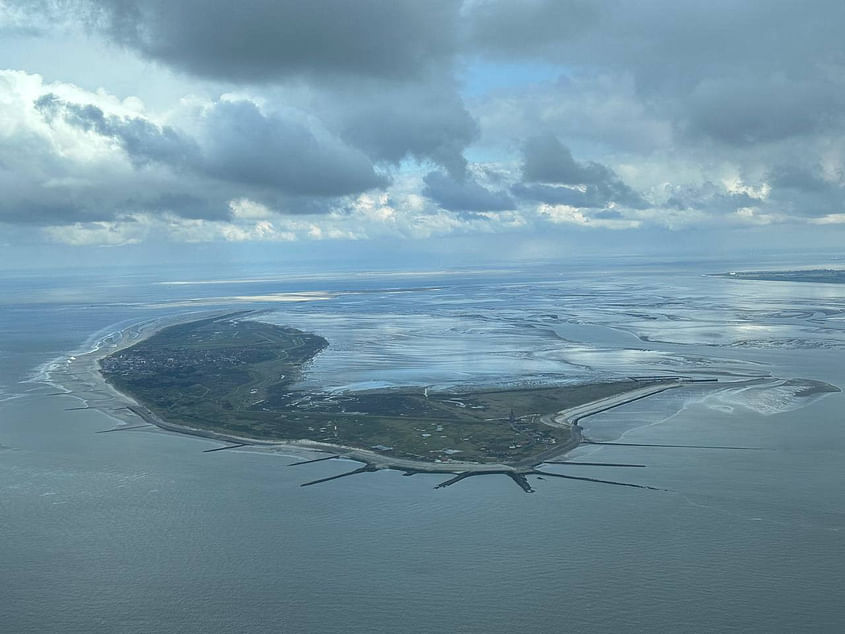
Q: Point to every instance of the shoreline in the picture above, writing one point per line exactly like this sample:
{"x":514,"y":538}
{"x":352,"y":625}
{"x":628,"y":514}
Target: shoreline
{"x":93,"y":387}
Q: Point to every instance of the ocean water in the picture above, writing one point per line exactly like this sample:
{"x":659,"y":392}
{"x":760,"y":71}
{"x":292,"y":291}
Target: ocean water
{"x":139,"y":531}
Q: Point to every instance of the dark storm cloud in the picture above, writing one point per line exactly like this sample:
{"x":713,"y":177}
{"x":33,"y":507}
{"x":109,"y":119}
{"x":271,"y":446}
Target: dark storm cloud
{"x":245,"y":146}
{"x":798,"y":178}
{"x":35,"y":210}
{"x":258,"y":40}
{"x":547,"y":160}
{"x":553,"y":176}
{"x":502,"y":27}
{"x":741,"y":73}
{"x":427,"y":121}
{"x":663,"y":41}
{"x":802,"y":190}
{"x":381,"y":70}
{"x":742,"y":112}
{"x":464,"y":195}
{"x":187,"y":205}
{"x":28,"y":202}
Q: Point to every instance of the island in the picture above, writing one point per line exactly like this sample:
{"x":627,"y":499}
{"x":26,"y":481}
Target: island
{"x":237,"y":378}
{"x":823,"y":276}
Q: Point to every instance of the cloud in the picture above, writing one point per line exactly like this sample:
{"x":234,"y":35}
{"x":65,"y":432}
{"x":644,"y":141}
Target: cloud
{"x":799,"y":178}
{"x":710,"y":197}
{"x":425,"y":120}
{"x":806,"y":191}
{"x":68,"y":155}
{"x":245,"y":146}
{"x":465,"y":195}
{"x":381,"y":72}
{"x":556,"y":178}
{"x":142,"y":140}
{"x":237,"y":143}
{"x":52,"y":172}
{"x":528,"y":27}
{"x":786,"y":192}
{"x":364,"y":217}
{"x":261,"y":40}
{"x":99,"y":233}
{"x":662,"y":42}
{"x":547,"y":160}
{"x":734,"y":73}
{"x":279,"y":120}
{"x":737,"y":111}
{"x":568,"y":215}
{"x":830,"y":219}
{"x":588,"y":197}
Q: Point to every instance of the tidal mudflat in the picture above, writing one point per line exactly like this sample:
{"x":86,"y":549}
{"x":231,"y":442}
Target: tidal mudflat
{"x":234,"y":377}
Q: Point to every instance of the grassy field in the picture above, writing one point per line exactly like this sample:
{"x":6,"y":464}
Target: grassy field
{"x":235,"y":376}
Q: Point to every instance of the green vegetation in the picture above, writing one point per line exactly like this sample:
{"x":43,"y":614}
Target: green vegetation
{"x":826,"y":276}
{"x":237,"y":377}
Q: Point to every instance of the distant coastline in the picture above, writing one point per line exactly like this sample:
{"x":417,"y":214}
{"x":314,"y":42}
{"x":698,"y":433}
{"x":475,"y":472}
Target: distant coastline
{"x":816,"y":276}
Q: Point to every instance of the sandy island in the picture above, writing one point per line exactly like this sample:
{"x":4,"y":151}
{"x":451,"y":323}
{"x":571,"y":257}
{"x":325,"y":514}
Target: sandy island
{"x":80,"y":376}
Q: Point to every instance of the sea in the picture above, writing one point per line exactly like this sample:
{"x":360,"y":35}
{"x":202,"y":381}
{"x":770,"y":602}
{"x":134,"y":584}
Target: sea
{"x":141,"y":531}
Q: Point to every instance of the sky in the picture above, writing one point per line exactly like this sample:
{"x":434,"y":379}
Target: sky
{"x":398,"y":132}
